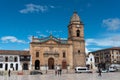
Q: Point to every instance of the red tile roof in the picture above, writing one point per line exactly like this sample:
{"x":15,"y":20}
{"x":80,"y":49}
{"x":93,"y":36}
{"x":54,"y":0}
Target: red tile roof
{"x":13,"y":52}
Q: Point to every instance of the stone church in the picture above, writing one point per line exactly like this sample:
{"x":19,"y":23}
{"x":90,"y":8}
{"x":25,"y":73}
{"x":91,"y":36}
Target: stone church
{"x":50,"y":52}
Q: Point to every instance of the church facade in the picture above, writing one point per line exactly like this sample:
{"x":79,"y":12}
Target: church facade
{"x":51,"y":52}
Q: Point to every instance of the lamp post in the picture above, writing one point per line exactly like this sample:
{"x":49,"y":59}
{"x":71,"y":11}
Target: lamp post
{"x":46,"y":68}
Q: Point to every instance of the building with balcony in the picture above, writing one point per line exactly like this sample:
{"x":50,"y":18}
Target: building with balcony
{"x":108,"y":56}
{"x":14,"y":60}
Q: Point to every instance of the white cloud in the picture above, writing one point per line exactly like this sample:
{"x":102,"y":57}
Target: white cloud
{"x":90,"y":42}
{"x":40,"y":34}
{"x":63,"y":38}
{"x":112,"y":23}
{"x":33,"y":8}
{"x":53,"y":31}
{"x":94,"y":48}
{"x":113,"y":41}
{"x":30,"y":38}
{"x":52,"y":6}
{"x":27,"y":49}
{"x":87,"y":50}
{"x":12,"y":39}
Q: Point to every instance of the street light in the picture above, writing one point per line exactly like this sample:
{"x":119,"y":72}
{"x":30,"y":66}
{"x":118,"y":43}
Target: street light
{"x":46,"y":68}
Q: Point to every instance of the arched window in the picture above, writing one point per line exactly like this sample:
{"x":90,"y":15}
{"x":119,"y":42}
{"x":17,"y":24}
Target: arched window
{"x":1,"y":65}
{"x":78,"y":51}
{"x":37,"y":54}
{"x":6,"y":59}
{"x":64,"y":55}
{"x":78,"y":33}
{"x":15,"y":59}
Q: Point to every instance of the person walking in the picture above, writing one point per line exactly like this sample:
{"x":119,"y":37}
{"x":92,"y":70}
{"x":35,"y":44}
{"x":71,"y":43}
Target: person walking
{"x":9,"y":72}
{"x":99,"y":71}
{"x":56,"y":71}
{"x":60,"y":71}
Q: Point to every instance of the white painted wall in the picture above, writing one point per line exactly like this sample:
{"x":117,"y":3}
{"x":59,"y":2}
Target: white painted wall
{"x":91,"y":60}
{"x":12,"y":62}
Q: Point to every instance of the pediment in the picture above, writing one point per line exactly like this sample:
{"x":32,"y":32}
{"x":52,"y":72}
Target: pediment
{"x":51,"y":42}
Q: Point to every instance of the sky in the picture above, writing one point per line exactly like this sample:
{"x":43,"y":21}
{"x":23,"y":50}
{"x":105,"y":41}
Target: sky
{"x":21,"y":19}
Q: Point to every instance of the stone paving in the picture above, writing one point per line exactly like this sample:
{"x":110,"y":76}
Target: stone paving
{"x":75,"y":76}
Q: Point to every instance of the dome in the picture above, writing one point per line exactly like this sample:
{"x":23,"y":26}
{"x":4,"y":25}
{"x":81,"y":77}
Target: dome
{"x":75,"y":17}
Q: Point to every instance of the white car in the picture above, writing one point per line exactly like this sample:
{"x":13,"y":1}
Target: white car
{"x":82,"y":70}
{"x":103,"y":71}
{"x":112,"y":69}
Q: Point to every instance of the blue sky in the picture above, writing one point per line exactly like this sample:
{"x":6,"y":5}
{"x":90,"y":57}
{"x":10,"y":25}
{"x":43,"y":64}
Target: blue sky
{"x":21,"y":19}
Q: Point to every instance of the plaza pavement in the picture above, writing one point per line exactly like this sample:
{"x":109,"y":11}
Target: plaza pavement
{"x":65,"y":76}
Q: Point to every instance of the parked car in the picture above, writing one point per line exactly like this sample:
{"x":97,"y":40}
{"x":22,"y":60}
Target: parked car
{"x":35,"y":72}
{"x":117,"y":66}
{"x":82,"y":70}
{"x":103,"y":71}
{"x":112,"y":69}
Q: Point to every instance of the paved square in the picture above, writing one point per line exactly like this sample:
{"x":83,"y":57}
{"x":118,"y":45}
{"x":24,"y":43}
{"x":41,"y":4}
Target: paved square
{"x":76,"y":76}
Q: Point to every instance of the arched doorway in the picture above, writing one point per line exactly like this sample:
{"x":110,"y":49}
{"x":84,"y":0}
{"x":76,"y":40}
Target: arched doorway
{"x":37,"y":65}
{"x":25,"y":66}
{"x":51,"y":63}
{"x":6,"y":66}
{"x":64,"y":64}
{"x":16,"y":66}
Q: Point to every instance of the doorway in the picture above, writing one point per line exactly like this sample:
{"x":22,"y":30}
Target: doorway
{"x":25,"y":66}
{"x":37,"y":65}
{"x":64,"y":65}
{"x":6,"y":66}
{"x":16,"y":66}
{"x":51,"y":63}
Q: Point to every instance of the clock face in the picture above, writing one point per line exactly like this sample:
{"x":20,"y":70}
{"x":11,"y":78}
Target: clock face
{"x":78,"y":25}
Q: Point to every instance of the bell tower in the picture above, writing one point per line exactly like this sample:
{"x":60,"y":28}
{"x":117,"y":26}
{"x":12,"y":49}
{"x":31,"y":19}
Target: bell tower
{"x":76,"y":36}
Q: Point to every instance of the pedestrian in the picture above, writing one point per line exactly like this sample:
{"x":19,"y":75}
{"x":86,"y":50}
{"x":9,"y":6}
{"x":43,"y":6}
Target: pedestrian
{"x":99,"y":71}
{"x":56,"y":71}
{"x":60,"y":71}
{"x":9,"y":72}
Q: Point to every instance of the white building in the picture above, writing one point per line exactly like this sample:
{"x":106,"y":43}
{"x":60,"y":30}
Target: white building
{"x":14,"y":60}
{"x":90,"y":61}
{"x":9,"y":61}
